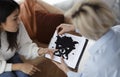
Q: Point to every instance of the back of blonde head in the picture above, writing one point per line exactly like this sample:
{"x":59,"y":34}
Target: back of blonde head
{"x":92,"y":17}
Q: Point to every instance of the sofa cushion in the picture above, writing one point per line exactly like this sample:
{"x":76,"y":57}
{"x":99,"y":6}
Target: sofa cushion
{"x":46,"y":25}
{"x":27,"y":15}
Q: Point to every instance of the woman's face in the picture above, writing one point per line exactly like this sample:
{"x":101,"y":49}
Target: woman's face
{"x":12,"y":22}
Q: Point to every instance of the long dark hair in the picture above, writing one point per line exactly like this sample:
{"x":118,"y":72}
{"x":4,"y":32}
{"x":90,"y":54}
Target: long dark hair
{"x":6,"y":8}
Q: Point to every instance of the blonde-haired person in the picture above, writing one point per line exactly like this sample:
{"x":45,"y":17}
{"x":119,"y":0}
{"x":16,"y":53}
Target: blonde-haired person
{"x":94,"y":20}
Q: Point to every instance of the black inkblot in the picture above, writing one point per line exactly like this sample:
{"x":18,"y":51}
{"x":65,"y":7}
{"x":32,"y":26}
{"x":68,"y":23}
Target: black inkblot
{"x":64,"y":45}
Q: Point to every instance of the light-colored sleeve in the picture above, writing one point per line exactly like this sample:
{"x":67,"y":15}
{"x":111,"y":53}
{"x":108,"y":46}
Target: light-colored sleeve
{"x":26,"y":47}
{"x":73,"y":74}
{"x":116,"y":28}
{"x":4,"y":67}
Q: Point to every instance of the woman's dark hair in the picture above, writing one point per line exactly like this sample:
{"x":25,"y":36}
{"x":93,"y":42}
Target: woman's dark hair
{"x":7,"y":7}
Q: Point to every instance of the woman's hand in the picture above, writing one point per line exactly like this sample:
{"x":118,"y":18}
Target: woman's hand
{"x":25,"y":67}
{"x":62,"y":66}
{"x":43,"y":51}
{"x":64,"y":28}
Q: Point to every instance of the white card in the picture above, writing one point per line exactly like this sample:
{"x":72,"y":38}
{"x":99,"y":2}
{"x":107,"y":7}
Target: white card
{"x":69,"y":47}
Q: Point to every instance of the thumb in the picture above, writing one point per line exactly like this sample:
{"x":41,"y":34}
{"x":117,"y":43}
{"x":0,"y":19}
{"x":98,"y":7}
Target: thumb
{"x":62,"y":60}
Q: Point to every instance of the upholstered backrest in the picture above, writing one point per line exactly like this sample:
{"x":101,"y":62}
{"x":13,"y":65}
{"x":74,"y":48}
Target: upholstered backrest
{"x":36,"y":28}
{"x":46,"y":25}
{"x":27,"y":16}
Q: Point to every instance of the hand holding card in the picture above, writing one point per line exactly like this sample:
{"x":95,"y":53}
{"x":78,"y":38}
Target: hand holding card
{"x":69,"y":47}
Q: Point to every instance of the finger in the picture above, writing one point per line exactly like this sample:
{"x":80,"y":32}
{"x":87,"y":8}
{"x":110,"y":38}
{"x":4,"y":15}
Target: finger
{"x":34,"y":70}
{"x":31,"y":73}
{"x":62,"y":60}
{"x":58,"y":26}
{"x":61,"y":32}
{"x":37,"y":69}
{"x":57,"y":64}
{"x":51,"y":54}
{"x":45,"y":50}
{"x":51,"y":50}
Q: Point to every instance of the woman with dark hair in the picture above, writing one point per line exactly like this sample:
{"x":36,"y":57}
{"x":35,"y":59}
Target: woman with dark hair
{"x":14,"y":40}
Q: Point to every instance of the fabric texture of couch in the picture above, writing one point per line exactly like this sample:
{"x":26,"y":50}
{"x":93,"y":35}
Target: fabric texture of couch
{"x":46,"y":24}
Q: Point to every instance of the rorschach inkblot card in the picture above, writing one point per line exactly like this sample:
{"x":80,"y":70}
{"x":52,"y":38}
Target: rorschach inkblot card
{"x":68,"y":46}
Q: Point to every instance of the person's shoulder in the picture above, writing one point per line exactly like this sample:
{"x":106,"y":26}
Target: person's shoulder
{"x":116,"y":27}
{"x":21,"y":25}
{"x":21,"y":28}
